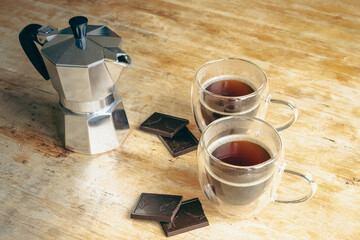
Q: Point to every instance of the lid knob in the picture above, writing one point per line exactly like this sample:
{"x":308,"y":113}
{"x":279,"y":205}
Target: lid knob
{"x":78,"y":26}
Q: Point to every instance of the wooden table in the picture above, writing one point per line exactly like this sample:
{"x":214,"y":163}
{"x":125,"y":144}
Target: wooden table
{"x":310,"y":51}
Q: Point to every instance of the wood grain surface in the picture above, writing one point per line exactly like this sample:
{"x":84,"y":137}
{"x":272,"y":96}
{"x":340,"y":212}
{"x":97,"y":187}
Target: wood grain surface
{"x":310,"y":52}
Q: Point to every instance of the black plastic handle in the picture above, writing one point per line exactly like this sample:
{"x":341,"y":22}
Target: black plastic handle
{"x":78,"y":26}
{"x":27,"y":38}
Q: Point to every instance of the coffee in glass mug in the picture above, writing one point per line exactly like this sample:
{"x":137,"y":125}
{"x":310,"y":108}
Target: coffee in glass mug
{"x":232,"y":87}
{"x":240,"y":164}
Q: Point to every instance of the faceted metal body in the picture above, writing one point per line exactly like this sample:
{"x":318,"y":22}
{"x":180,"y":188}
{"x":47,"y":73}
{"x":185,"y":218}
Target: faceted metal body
{"x":92,"y":118}
{"x":95,"y":132}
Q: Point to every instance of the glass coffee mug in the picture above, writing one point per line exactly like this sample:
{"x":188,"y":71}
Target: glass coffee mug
{"x":231,"y":86}
{"x":240,"y":164}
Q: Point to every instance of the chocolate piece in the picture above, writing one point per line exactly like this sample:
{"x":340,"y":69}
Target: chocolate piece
{"x":164,"y":125}
{"x":189,"y":217}
{"x":159,"y":207}
{"x":183,"y":142}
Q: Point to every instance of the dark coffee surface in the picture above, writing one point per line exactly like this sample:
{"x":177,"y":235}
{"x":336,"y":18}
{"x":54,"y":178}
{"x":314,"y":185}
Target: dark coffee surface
{"x":183,"y":142}
{"x":163,"y":125}
{"x":231,"y":88}
{"x":241,"y":153}
{"x":189,"y":217}
{"x":159,"y":207}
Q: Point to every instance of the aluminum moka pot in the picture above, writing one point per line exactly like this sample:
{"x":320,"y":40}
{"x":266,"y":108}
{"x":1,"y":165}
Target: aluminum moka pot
{"x":84,"y":63}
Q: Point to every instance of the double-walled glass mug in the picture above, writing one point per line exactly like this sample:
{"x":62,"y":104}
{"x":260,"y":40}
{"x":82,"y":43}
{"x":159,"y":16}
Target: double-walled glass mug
{"x":240,"y":164}
{"x":231,"y":86}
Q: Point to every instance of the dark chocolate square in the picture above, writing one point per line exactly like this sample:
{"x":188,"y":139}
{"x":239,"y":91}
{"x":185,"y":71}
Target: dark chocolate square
{"x":163,"y":125}
{"x":189,"y":217}
{"x":183,"y":142}
{"x":159,"y":207}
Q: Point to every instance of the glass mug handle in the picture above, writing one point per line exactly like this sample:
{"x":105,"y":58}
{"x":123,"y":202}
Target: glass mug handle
{"x":308,"y":177}
{"x":289,"y":104}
